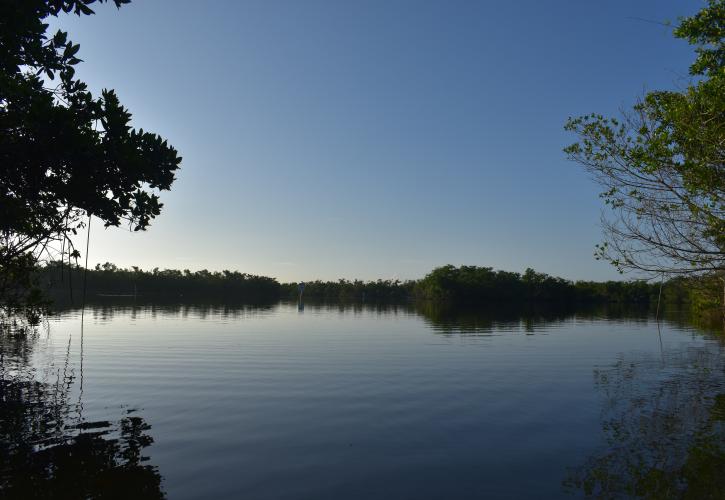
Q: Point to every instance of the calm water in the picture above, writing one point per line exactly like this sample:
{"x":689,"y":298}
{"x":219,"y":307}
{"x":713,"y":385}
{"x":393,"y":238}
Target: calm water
{"x":330,"y":402}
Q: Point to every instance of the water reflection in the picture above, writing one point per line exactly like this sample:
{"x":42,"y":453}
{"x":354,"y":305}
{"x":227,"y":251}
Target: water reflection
{"x":663,"y":420}
{"x":528,"y":318}
{"x":107,"y":310}
{"x":442,"y":319}
{"x":305,"y":405}
{"x":49,"y":450}
{"x":486,"y":321}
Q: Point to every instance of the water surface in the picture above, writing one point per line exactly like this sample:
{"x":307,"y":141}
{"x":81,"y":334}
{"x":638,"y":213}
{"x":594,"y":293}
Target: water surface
{"x":370,"y":402}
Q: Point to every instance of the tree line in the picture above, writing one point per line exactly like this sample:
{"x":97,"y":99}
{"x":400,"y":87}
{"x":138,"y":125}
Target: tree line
{"x":351,"y":291}
{"x":447,"y":285}
{"x":72,"y":283}
{"x":474,"y":285}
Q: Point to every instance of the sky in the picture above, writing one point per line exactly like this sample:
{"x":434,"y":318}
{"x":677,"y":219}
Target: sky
{"x":374,"y":139}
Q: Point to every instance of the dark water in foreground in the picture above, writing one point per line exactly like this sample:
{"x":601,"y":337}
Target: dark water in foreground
{"x":331,"y":402}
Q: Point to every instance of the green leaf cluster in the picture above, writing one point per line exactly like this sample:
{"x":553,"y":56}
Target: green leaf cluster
{"x":662,"y":164}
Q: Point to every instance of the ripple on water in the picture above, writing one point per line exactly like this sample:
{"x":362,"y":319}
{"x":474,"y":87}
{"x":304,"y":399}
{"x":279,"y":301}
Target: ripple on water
{"x":360,"y":403}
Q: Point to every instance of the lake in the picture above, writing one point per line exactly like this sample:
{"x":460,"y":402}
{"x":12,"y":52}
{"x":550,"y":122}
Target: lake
{"x":331,"y":402}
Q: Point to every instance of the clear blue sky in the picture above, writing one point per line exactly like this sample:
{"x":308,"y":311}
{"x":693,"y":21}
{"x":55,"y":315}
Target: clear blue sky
{"x":374,"y":139}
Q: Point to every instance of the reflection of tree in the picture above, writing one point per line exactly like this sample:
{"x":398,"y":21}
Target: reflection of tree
{"x":664,"y":421}
{"x":342,"y":307}
{"x":48,"y":451}
{"x":450,"y":320}
{"x":107,"y":309}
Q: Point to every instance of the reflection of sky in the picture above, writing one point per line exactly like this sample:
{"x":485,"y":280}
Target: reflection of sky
{"x":343,"y":139}
{"x":273,"y":402}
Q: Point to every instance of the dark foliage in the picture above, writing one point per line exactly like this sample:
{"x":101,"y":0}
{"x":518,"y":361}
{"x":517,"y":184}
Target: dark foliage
{"x":65,"y":154}
{"x":475,"y":286}
{"x":107,"y":279}
{"x":351,"y":291}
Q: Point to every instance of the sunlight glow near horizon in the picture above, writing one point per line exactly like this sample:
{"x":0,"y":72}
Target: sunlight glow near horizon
{"x":375,"y":139}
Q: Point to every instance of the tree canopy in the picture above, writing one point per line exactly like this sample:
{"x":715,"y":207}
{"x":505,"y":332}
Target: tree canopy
{"x":661,"y":165}
{"x":66,"y":154}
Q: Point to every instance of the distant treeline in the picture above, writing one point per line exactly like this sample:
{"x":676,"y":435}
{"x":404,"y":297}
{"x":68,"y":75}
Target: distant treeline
{"x":352,"y":291}
{"x":464,"y":285}
{"x":472,"y":285}
{"x":475,"y":286}
{"x":107,"y":279}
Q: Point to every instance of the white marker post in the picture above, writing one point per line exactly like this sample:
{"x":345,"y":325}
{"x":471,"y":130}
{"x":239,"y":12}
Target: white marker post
{"x":300,"y":289}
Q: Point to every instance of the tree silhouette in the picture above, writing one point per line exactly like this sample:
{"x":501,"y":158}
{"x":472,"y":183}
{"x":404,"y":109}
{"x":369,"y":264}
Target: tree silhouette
{"x":66,"y":154}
